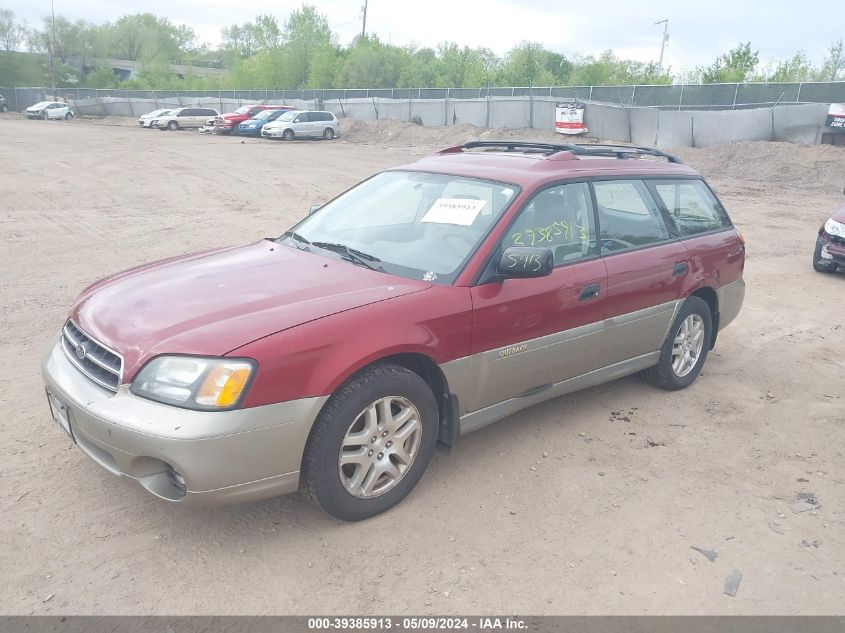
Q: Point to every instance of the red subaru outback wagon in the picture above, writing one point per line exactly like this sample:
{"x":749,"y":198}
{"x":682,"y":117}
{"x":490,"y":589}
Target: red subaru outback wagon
{"x":422,"y":304}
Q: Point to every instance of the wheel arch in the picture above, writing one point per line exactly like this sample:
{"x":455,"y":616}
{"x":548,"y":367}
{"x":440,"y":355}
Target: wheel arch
{"x":709,"y":296}
{"x":427,"y":369}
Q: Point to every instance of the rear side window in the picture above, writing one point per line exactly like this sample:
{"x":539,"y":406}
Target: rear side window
{"x":691,"y":205}
{"x":628,"y":216}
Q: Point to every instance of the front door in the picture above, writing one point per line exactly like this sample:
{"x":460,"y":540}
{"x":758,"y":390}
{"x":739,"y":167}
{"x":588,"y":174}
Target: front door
{"x":531,"y":333}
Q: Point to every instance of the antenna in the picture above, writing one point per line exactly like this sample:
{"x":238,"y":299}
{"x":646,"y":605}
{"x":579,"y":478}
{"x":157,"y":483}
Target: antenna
{"x":665,"y":24}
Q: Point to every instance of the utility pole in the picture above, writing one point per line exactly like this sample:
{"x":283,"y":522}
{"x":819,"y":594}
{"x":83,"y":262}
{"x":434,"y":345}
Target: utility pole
{"x":665,"y":24}
{"x":53,"y":49}
{"x":364,"y":26}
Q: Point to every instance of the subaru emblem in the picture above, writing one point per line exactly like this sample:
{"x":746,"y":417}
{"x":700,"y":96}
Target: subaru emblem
{"x":80,"y":352}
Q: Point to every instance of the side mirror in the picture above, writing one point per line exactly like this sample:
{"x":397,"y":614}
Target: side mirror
{"x":526,"y":261}
{"x":314,"y":209}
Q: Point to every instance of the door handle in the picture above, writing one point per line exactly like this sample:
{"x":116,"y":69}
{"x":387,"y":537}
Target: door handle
{"x":681,"y":268}
{"x":590,"y":292}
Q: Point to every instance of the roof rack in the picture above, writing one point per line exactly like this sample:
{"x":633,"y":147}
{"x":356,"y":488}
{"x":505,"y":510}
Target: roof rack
{"x":579,"y":149}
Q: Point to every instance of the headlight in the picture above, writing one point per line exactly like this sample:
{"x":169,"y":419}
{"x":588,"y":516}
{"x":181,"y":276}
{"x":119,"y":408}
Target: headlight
{"x":192,"y":382}
{"x":832,"y":227}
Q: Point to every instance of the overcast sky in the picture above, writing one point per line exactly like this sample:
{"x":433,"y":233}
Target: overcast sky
{"x":699,"y":31}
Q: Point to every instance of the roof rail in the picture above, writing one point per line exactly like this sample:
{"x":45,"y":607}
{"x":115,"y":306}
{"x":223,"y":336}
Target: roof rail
{"x":579,"y":149}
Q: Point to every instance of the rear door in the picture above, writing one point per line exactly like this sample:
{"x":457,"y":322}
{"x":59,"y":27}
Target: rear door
{"x":531,"y":333}
{"x":646,"y":267}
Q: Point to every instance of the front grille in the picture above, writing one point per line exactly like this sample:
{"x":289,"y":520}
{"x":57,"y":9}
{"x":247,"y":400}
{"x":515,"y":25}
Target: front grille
{"x":98,"y":362}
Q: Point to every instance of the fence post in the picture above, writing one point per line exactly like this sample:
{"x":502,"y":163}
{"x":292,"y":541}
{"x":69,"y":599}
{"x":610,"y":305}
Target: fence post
{"x":692,"y":129}
{"x":531,"y":107}
{"x":798,"y":98}
{"x":487,"y":119}
{"x":736,"y":92}
{"x":633,"y":95}
{"x":681,"y":98}
{"x":590,"y":97}
{"x":16,"y":100}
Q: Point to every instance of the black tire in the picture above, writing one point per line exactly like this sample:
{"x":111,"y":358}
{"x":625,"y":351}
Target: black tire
{"x":328,"y":134}
{"x":68,"y":116}
{"x":320,"y":481}
{"x":287,"y":135}
{"x":172,"y":126}
{"x":662,"y":375}
{"x":817,"y":255}
{"x":4,"y":108}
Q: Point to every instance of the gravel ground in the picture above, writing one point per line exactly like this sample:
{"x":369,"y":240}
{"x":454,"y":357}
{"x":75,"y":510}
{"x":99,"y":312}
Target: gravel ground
{"x":586,"y":504}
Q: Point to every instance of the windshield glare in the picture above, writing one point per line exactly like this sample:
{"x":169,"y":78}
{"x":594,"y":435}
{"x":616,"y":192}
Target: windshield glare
{"x":264,"y":114}
{"x":288,"y":116}
{"x":243,"y":110}
{"x":421,"y":226}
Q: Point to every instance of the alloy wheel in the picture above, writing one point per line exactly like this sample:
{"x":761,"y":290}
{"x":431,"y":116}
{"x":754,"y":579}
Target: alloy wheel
{"x":686,"y":348}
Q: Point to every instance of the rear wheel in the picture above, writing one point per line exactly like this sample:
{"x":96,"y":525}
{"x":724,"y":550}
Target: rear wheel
{"x":371,"y":443}
{"x":287,"y":135}
{"x":172,"y":126}
{"x":328,"y":134}
{"x":685,"y":348}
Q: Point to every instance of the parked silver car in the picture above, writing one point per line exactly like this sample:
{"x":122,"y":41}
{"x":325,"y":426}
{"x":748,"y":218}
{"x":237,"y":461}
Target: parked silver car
{"x":183,"y":118}
{"x":302,"y":124}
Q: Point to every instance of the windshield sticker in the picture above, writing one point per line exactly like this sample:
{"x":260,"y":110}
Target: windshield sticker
{"x":460,"y":211}
{"x":429,"y":276}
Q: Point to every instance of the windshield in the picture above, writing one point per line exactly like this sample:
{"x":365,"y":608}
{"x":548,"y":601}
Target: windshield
{"x":41,"y":104}
{"x":243,"y":110}
{"x":265,"y":114}
{"x":416,"y":225}
{"x":156,"y":113}
{"x":288,"y":116}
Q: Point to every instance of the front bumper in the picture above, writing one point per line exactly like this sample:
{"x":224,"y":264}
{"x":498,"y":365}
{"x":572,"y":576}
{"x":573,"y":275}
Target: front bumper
{"x":223,"y":457}
{"x":249,"y":131}
{"x":273,"y":133}
{"x":830,"y":250}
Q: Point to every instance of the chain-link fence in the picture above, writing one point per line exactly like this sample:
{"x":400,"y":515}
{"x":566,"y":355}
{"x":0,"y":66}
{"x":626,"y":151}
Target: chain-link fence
{"x":680,"y":97}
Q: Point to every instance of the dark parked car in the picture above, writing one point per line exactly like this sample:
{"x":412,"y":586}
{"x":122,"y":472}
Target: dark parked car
{"x":4,"y":106}
{"x":422,"y":304}
{"x":829,"y":255}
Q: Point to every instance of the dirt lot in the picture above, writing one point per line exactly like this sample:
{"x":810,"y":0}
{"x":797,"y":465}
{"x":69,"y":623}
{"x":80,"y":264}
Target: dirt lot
{"x":585,"y":504}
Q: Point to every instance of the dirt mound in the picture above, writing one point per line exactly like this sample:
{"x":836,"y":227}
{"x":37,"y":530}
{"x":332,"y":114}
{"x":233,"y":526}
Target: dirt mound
{"x":820,"y":167}
{"x":394,"y":133}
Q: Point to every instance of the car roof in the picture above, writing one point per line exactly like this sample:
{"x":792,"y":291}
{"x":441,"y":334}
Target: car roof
{"x":529,"y":164}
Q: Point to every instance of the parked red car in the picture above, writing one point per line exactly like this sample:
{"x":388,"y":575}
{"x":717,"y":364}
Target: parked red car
{"x":829,"y":255}
{"x":425,"y":303}
{"x":227,"y":123}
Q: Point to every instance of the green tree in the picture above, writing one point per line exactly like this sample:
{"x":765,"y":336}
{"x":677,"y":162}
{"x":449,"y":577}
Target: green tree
{"x":305,"y":32}
{"x":735,"y":66}
{"x":526,"y":65}
{"x":12,"y":34}
{"x":796,"y":68}
{"x":834,"y":64}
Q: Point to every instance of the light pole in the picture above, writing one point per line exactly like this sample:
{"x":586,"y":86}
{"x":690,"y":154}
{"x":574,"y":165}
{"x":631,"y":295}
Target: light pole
{"x":665,"y":24}
{"x":364,"y":25}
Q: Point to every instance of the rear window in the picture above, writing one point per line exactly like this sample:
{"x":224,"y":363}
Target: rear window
{"x":692,"y":206}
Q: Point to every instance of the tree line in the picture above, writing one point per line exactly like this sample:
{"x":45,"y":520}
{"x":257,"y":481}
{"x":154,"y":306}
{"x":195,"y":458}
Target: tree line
{"x":303,"y":52}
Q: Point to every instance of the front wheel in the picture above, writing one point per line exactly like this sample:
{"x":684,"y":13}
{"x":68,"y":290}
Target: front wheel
{"x":371,"y":443}
{"x":68,"y":116}
{"x":685,"y":348}
{"x":287,"y":135}
{"x":43,"y":115}
{"x":4,"y":108}
{"x":173,"y":126}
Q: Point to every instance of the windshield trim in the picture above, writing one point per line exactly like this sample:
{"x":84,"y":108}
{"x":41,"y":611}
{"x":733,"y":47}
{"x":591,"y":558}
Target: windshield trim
{"x":463,"y":265}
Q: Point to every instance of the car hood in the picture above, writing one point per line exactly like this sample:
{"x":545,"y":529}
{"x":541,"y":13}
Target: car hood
{"x":839,"y":216}
{"x":214,"y":302}
{"x":249,"y":121}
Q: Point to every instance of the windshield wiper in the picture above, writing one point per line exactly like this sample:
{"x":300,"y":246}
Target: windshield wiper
{"x":355,"y":256}
{"x":296,"y":237}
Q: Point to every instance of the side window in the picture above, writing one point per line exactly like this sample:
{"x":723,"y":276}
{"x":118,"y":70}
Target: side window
{"x":186,"y":112}
{"x":691,"y":205}
{"x":208,"y":112}
{"x":628,"y":215}
{"x":559,"y":218}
